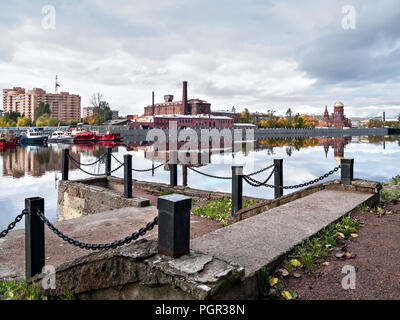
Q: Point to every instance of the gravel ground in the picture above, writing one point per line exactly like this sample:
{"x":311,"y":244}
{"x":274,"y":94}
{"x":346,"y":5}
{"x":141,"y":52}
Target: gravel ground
{"x":375,"y":256}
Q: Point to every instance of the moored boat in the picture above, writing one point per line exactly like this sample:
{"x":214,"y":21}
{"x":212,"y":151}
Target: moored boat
{"x":84,"y":137}
{"x":60,"y":136}
{"x":110,"y":136}
{"x":35,"y":136}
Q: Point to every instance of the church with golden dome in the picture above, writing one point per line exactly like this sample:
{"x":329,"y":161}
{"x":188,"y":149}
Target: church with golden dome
{"x":337,"y":119}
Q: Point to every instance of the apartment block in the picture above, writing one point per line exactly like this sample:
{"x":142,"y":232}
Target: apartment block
{"x":63,"y":106}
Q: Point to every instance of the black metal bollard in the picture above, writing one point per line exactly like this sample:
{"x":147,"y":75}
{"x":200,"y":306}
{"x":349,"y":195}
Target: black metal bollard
{"x":65,"y":164}
{"x":278,"y":178}
{"x":108,"y":161}
{"x":347,"y":170}
{"x":174,"y":225}
{"x":173,"y":168}
{"x":237,"y":189}
{"x":34,"y":237}
{"x":128,"y":176}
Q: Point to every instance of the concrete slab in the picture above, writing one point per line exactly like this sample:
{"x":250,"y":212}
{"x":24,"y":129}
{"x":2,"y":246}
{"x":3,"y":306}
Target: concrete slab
{"x":262,"y":239}
{"x":101,"y":227}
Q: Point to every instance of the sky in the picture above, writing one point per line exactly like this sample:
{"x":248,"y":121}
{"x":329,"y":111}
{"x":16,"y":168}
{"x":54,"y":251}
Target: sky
{"x":256,"y":54}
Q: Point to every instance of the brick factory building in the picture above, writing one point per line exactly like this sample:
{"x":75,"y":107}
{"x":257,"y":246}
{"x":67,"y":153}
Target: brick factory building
{"x":63,"y":106}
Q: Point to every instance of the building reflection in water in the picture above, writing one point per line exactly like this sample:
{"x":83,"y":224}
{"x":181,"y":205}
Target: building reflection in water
{"x":36,"y":160}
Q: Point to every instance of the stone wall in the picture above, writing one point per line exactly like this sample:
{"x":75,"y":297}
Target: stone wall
{"x":357,"y":185}
{"x":138,"y":272}
{"x":88,"y":196}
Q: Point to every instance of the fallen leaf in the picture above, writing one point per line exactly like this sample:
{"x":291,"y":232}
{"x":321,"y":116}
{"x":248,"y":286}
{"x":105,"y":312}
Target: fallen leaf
{"x":273,"y":281}
{"x":295,"y":263}
{"x":286,"y":295}
{"x":352,"y":229}
{"x":326,"y":263}
{"x":354,"y":235}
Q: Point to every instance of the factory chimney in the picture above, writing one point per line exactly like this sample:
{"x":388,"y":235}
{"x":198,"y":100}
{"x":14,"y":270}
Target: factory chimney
{"x":152,"y":96}
{"x":184,"y":98}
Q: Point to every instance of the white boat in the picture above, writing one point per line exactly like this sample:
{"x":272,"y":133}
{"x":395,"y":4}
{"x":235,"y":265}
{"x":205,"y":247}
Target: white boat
{"x":35,"y":136}
{"x":60,"y":136}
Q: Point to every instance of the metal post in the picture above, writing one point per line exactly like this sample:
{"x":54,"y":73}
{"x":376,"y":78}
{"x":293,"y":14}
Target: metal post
{"x":65,"y":164}
{"x":108,"y":161}
{"x":174,"y":225}
{"x":347,"y":170}
{"x":184,"y":175}
{"x":278,"y":178}
{"x":237,"y":189}
{"x":173,"y":169}
{"x":34,"y":237}
{"x":128,"y":176}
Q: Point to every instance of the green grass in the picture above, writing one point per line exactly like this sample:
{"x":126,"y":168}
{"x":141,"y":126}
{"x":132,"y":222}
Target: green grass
{"x":164,"y":193}
{"x":317,"y":247}
{"x":219,"y":209}
{"x":10,"y":290}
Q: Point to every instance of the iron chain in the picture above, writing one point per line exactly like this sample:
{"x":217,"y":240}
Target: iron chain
{"x":95,"y":246}
{"x":209,"y":175}
{"x":96,"y":174}
{"x":140,"y":170}
{"x":12,"y":224}
{"x":87,"y":164}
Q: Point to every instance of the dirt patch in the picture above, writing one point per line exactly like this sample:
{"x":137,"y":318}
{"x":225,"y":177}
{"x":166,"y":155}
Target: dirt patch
{"x":375,"y":255}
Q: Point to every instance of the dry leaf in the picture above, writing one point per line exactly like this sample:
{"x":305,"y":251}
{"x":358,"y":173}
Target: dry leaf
{"x":286,"y":295}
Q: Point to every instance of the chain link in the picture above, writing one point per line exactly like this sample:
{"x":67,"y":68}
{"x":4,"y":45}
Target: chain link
{"x":256,"y":183}
{"x":96,"y":174}
{"x":12,"y":224}
{"x":259,"y":171}
{"x":95,"y":246}
{"x":140,"y":170}
{"x":87,"y":164}
{"x":209,"y":175}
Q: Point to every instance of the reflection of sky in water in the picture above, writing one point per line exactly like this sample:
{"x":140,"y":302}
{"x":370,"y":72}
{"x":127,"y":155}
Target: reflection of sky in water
{"x":371,"y":162}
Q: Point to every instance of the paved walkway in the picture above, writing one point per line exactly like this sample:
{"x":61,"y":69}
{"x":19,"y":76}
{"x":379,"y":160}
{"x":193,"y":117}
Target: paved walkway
{"x":262,"y":239}
{"x":96,"y":228}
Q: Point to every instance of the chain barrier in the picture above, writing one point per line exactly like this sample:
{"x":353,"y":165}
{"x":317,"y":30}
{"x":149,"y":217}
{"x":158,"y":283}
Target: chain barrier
{"x":140,"y":170}
{"x":253,"y":182}
{"x":96,"y":174}
{"x":87,"y":164}
{"x":12,"y":224}
{"x":94,"y":246}
{"x":259,"y":171}
{"x":209,"y":175}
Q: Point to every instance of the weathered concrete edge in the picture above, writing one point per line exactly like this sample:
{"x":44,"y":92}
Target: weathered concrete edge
{"x":123,"y":272}
{"x":357,"y":185}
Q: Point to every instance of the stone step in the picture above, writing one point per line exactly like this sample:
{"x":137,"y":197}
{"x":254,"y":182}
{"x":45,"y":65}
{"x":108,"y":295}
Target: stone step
{"x":262,"y":239}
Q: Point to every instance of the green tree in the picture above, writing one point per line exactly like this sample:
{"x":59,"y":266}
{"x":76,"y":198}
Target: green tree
{"x":11,"y":116}
{"x":24,"y":122}
{"x":40,"y":110}
{"x":52,"y":122}
{"x":42,"y":121}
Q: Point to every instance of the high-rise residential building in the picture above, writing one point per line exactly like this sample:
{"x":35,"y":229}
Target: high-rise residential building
{"x":63,"y":106}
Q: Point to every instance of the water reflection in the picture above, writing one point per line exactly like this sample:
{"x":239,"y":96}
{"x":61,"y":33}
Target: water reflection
{"x":34,"y":170}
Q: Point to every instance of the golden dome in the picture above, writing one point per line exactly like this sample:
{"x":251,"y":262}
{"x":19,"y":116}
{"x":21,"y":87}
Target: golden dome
{"x":339,"y":104}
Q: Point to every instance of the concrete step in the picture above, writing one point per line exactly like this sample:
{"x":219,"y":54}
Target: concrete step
{"x":262,"y":239}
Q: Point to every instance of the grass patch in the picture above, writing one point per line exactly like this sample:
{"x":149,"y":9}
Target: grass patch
{"x":10,"y":290}
{"x":164,"y":193}
{"x":318,"y":247}
{"x":219,"y":209}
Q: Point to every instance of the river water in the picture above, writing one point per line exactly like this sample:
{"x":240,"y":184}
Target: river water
{"x":33,"y":171}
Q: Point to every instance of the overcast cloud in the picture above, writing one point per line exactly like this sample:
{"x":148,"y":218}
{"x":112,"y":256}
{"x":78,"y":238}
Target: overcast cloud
{"x":257,"y":54}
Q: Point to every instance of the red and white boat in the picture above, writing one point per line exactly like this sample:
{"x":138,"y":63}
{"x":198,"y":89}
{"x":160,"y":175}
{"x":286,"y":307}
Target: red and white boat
{"x":110,"y":136}
{"x":7,"y":141}
{"x":82,"y":136}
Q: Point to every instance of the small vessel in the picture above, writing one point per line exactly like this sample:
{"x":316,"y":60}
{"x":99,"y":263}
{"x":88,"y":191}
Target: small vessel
{"x":60,"y":136}
{"x":84,"y":137}
{"x":8,"y":141}
{"x":110,"y":136}
{"x":35,"y":136}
